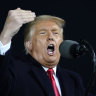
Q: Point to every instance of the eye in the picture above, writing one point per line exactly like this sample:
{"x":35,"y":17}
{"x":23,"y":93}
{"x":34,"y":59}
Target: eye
{"x":55,"y":33}
{"x":42,"y":33}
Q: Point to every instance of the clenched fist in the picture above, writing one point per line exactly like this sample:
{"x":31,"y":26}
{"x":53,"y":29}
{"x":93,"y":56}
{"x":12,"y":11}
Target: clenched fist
{"x":15,"y":19}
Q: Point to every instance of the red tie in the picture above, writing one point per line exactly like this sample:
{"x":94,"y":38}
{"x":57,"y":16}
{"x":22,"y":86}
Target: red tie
{"x":50,"y":74}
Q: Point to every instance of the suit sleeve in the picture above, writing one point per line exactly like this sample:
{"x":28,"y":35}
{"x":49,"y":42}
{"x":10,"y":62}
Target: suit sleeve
{"x":6,"y":79}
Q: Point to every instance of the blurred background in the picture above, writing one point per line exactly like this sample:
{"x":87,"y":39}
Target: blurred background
{"x":80,"y":17}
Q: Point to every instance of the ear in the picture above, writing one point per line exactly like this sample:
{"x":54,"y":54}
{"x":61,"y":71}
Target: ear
{"x":29,"y":45}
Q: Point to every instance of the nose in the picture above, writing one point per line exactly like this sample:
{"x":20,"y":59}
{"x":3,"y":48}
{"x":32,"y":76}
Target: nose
{"x":50,"y":36}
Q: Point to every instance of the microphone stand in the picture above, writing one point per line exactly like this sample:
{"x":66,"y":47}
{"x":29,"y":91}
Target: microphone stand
{"x":88,"y":48}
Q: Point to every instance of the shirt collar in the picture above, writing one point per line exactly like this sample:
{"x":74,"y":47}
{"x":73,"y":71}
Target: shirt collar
{"x":55,"y":68}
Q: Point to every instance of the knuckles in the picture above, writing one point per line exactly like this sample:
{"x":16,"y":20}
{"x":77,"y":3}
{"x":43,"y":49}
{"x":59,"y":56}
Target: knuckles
{"x":21,"y":16}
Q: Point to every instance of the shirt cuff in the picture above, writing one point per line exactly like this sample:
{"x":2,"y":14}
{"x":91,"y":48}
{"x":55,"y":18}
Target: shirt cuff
{"x":4,"y":48}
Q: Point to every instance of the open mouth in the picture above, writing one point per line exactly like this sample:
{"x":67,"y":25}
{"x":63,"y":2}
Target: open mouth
{"x":50,"y":49}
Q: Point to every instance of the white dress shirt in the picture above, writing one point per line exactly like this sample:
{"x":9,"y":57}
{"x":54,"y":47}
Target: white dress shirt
{"x":4,"y":48}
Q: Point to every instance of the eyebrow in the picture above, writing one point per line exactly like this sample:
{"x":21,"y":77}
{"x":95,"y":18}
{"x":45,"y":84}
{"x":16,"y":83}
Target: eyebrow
{"x":42,"y":30}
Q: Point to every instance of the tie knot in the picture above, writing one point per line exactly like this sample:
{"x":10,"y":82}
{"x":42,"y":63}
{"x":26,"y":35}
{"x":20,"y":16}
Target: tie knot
{"x":50,"y":71}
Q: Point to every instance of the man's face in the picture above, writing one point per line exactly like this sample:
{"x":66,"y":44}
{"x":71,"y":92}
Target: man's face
{"x":45,"y":44}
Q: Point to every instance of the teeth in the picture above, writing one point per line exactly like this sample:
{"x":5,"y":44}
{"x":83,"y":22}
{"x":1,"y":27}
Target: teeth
{"x":50,"y":49}
{"x":51,"y":45}
{"x":50,"y":52}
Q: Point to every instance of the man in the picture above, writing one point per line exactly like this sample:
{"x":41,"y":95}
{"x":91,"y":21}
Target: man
{"x":30,"y":75}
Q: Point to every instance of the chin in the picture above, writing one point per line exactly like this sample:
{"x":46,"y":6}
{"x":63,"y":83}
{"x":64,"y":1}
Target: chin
{"x":51,"y":63}
{"x":52,"y":60}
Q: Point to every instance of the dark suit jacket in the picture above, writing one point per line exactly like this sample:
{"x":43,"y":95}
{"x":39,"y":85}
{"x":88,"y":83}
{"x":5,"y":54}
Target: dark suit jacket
{"x":24,"y":76}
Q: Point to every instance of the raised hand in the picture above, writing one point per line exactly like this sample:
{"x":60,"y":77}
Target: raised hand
{"x":15,"y":19}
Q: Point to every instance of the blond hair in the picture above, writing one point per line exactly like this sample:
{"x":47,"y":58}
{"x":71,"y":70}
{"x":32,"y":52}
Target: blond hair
{"x":29,"y":30}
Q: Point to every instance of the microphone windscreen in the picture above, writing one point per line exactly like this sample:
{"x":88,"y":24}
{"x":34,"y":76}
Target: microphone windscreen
{"x":65,"y":48}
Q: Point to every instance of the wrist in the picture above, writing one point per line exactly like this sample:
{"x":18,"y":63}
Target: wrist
{"x":5,"y":39}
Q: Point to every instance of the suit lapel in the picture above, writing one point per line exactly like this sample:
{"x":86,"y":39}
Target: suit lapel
{"x":42,"y":78}
{"x":65,"y":84}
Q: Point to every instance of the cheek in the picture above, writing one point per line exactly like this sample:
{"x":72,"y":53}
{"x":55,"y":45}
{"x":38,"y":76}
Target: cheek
{"x":59,"y":40}
{"x":40,"y":43}
{"x":41,"y":39}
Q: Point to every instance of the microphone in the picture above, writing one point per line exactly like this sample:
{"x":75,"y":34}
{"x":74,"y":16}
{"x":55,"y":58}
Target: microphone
{"x":71,"y":49}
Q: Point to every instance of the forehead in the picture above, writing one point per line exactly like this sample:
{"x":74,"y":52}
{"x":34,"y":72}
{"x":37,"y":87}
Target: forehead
{"x":46,"y":25}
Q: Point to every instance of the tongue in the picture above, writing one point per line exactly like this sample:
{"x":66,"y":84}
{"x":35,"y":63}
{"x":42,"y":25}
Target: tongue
{"x":50,"y":52}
